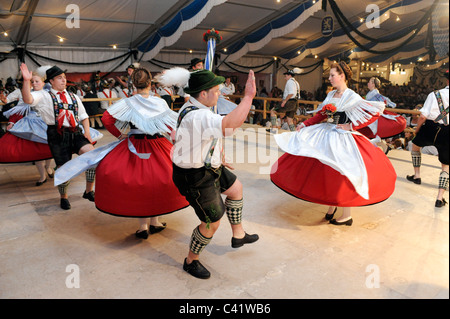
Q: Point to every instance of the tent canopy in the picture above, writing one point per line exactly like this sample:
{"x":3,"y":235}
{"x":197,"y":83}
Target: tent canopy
{"x":289,"y":29}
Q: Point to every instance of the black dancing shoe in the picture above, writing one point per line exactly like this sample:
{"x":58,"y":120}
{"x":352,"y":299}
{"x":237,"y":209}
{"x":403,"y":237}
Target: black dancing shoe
{"x":157,"y":229}
{"x":239,"y":242}
{"x":440,"y":203}
{"x":411,"y":178}
{"x":143,"y":234}
{"x":65,"y":204}
{"x":90,"y":196}
{"x":346,"y":223}
{"x":330,"y":216}
{"x":52,"y":174}
{"x":196,"y":269}
{"x":40,"y":183}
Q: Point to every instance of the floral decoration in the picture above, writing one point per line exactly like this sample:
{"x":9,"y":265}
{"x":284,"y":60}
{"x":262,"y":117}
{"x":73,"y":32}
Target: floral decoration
{"x":212,"y":34}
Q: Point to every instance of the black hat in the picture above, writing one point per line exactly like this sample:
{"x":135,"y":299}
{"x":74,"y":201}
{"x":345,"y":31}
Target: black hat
{"x":194,"y":61}
{"x":52,"y":72}
{"x":202,"y":80}
{"x":290,"y":72}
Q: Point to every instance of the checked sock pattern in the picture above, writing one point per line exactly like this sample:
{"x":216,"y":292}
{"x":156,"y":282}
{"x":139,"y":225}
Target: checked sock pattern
{"x":416,"y":158}
{"x":233,"y":208}
{"x":62,"y":188}
{"x":198,"y":241}
{"x":443,"y":180}
{"x":90,"y":175}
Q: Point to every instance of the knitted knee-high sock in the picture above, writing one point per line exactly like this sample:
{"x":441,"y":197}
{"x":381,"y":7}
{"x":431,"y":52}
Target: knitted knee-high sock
{"x":233,"y":208}
{"x":90,"y":175}
{"x":198,"y":241}
{"x":62,"y":188}
{"x":416,"y":158}
{"x":443,"y":180}
{"x":273,"y":121}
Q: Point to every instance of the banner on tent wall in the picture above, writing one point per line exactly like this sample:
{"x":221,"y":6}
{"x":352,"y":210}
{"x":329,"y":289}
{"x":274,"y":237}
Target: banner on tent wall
{"x":327,"y":26}
{"x":440,"y":19}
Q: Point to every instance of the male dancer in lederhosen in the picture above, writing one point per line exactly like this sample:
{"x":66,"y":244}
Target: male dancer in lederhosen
{"x":432,"y":129}
{"x":62,"y":112}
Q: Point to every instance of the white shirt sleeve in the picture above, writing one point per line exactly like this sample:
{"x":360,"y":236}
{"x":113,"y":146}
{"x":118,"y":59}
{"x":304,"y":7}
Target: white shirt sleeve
{"x":82,"y":114}
{"x":428,"y":105}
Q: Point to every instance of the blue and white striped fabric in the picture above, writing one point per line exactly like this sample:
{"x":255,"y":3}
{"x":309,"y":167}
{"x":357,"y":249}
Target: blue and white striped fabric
{"x":209,"y":61}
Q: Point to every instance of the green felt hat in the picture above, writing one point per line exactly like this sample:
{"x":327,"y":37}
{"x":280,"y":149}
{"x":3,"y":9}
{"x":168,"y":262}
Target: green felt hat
{"x":202,"y":80}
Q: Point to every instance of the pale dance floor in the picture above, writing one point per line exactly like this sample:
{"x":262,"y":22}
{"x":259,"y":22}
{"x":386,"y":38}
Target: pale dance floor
{"x":395,"y":249}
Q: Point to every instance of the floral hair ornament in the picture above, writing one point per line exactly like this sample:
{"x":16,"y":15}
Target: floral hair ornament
{"x":329,"y":110}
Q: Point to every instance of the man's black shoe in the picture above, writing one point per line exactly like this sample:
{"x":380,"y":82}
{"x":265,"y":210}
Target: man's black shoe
{"x":196,"y":269}
{"x":65,"y":204}
{"x":90,"y":196}
{"x":239,"y":242}
{"x":440,"y":203}
{"x":411,"y":178}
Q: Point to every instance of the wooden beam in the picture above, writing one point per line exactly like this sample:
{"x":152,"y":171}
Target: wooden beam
{"x":26,"y":22}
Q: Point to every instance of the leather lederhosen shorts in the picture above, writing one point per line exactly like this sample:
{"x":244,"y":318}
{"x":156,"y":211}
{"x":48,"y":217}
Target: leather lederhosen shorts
{"x":64,"y":145}
{"x":432,"y":133}
{"x":202,"y":188}
{"x":290,"y":108}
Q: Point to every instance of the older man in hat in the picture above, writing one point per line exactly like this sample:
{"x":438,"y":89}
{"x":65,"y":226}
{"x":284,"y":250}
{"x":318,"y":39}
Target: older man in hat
{"x":199,"y":172}
{"x":432,"y":129}
{"x":288,"y":106}
{"x":62,"y":111}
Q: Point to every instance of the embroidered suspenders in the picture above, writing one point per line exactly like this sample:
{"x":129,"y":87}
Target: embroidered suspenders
{"x":443,"y":112}
{"x":207,"y":161}
{"x":71,"y":107}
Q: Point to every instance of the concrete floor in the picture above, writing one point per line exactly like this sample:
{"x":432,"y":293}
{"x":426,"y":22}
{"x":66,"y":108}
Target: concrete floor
{"x":395,"y":249}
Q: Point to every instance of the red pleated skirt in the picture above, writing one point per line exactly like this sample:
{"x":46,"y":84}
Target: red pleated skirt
{"x":386,"y":127}
{"x":310,"y":180}
{"x":126,"y":185}
{"x":14,"y":149}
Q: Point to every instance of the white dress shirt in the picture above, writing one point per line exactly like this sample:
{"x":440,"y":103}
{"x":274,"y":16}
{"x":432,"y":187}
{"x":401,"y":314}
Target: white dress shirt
{"x":106,"y":94}
{"x":292,"y":87}
{"x":43,"y":103}
{"x":430,"y":108}
{"x":227,"y":89}
{"x":195,"y":135}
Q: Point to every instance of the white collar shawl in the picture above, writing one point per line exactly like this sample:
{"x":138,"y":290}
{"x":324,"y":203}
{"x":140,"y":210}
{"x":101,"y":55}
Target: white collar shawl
{"x":355,"y":107}
{"x":150,"y":115}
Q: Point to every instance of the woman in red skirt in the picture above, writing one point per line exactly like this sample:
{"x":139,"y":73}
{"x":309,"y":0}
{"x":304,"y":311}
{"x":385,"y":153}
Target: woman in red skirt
{"x":389,"y":123}
{"x":25,"y":139}
{"x":330,"y":163}
{"x":135,"y":178}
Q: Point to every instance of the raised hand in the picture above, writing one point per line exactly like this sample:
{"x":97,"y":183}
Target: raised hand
{"x":250,"y":86}
{"x":26,"y":74}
